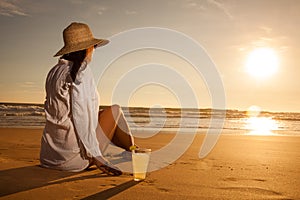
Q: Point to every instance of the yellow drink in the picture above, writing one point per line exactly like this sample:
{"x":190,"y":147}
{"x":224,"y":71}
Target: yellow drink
{"x":140,"y":160}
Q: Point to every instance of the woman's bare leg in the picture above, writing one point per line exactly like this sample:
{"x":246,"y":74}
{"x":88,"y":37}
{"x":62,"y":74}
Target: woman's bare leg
{"x":123,"y":137}
{"x":113,"y":128}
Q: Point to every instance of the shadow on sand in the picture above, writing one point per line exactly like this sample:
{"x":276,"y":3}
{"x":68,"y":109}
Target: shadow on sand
{"x":31,"y":177}
{"x":106,"y":194}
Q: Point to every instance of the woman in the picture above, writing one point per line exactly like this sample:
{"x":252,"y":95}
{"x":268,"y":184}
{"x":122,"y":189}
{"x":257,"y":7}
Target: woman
{"x":76,"y":132}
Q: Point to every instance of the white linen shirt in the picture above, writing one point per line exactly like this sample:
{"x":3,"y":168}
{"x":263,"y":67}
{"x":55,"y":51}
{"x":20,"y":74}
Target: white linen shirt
{"x":71,"y":110}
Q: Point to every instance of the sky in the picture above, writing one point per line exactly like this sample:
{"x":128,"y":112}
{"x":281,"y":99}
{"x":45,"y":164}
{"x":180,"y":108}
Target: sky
{"x":228,"y":30}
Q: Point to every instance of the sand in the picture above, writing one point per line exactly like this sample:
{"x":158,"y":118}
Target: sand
{"x":239,"y":167}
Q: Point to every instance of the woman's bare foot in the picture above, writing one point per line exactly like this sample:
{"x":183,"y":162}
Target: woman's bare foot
{"x":106,"y":166}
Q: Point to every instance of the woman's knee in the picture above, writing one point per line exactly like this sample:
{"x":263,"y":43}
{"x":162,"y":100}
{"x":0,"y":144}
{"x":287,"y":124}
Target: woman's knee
{"x":116,"y":110}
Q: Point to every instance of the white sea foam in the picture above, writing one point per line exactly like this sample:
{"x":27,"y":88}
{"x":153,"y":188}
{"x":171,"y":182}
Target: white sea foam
{"x":32,"y":115}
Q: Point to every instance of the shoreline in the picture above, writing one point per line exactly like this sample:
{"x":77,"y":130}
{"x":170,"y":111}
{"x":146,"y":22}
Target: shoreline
{"x":239,"y":167}
{"x":237,"y":132}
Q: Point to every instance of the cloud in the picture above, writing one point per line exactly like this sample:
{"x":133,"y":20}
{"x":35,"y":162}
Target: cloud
{"x":27,"y":84}
{"x":76,"y":1}
{"x":130,"y":12}
{"x":101,"y":10}
{"x":266,"y":29}
{"x":193,"y":4}
{"x":221,"y":6}
{"x":206,"y":5}
{"x":10,"y":8}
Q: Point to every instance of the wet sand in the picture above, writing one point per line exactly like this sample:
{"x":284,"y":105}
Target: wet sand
{"x":239,"y":167}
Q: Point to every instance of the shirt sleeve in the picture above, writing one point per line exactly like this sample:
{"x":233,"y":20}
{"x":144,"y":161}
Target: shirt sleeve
{"x":85,"y":108}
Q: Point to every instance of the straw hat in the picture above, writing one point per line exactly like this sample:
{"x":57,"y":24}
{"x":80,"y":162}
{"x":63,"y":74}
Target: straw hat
{"x":78,"y":36}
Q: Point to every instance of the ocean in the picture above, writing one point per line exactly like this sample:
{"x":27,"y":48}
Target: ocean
{"x":170,"y":119}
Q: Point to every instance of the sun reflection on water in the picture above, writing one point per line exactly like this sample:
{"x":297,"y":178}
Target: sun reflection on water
{"x":259,"y":125}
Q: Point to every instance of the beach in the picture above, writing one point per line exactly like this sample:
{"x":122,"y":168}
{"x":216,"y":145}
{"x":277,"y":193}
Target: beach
{"x":239,"y":167}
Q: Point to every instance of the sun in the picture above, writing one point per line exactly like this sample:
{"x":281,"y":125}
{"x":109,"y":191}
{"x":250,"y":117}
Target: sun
{"x":262,"y":62}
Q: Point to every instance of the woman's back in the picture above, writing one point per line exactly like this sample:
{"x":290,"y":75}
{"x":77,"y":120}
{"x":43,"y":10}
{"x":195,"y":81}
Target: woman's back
{"x":60,"y":148}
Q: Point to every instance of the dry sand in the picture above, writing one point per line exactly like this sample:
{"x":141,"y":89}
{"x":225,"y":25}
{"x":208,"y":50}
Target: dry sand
{"x":239,"y":167}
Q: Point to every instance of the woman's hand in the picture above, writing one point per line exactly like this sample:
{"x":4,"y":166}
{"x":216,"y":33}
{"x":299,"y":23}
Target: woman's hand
{"x":105,"y":166}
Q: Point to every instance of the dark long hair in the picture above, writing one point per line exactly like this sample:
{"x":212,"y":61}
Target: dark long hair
{"x":77,"y":58}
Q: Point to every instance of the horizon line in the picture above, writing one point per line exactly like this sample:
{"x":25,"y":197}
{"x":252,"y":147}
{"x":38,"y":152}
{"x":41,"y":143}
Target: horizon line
{"x":145,"y":107}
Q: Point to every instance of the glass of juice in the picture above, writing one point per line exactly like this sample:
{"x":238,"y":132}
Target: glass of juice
{"x":140,"y":160}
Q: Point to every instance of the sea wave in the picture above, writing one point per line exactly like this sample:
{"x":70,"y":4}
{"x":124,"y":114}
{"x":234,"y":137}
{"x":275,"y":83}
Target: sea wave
{"x":153,"y":118}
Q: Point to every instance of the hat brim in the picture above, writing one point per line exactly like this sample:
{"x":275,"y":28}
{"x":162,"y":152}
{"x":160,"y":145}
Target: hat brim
{"x":81,"y":46}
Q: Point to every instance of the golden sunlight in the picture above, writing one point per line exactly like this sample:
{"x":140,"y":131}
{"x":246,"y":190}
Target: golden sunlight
{"x":262,"y":62}
{"x":261,"y":125}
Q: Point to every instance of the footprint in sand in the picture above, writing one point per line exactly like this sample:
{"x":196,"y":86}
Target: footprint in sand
{"x":243,"y":179}
{"x":204,"y":165}
{"x":163,"y":189}
{"x":254,"y":190}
